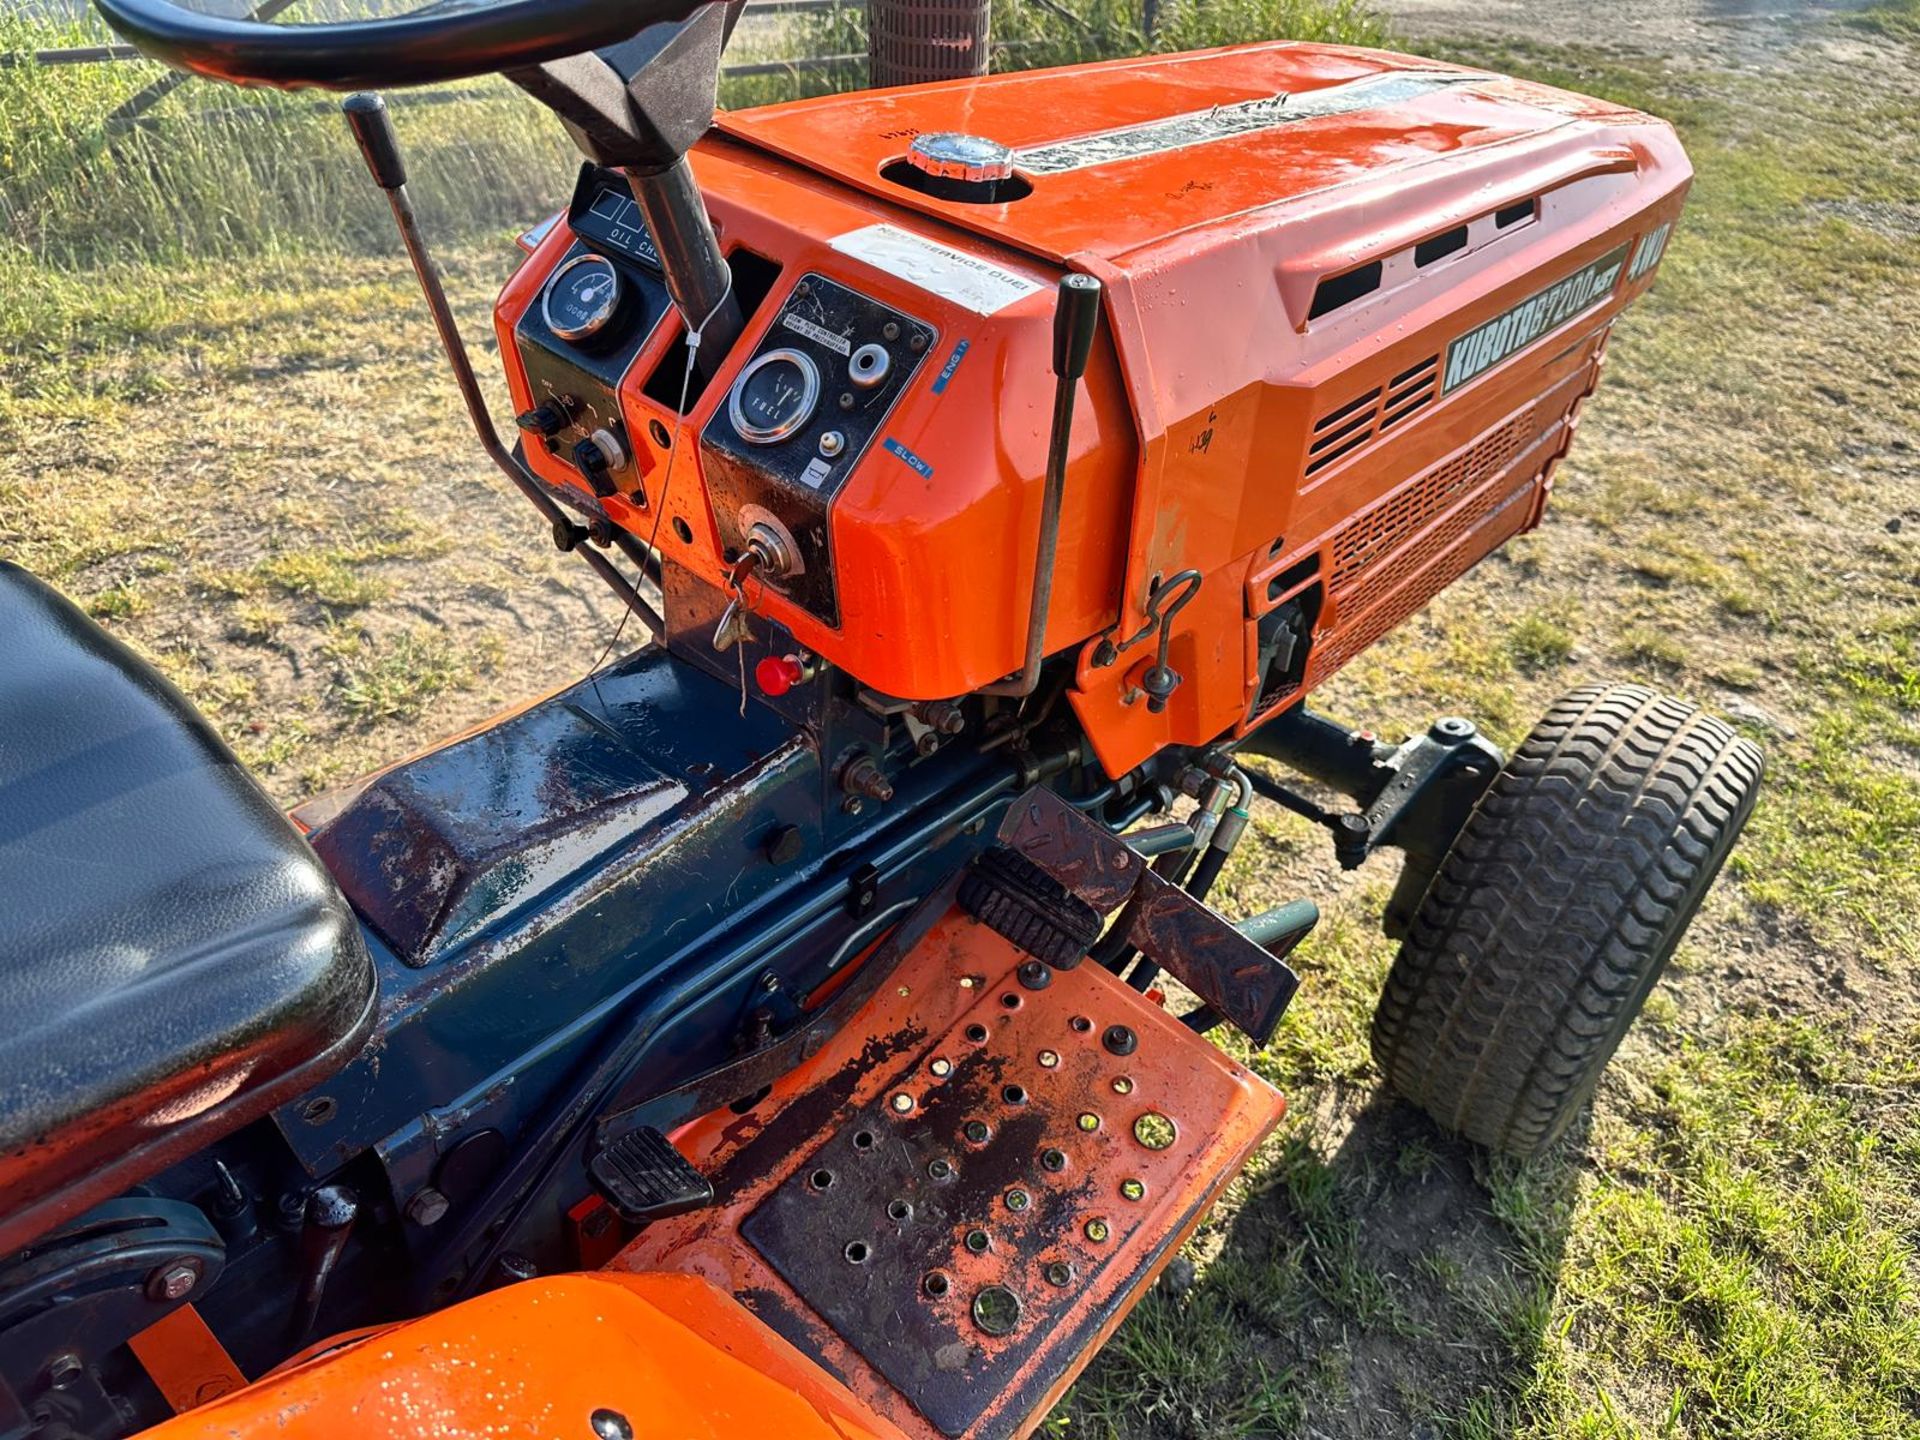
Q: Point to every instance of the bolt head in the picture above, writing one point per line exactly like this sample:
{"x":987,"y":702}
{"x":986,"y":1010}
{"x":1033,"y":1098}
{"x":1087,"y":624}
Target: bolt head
{"x":174,"y":1280}
{"x":1034,"y":975}
{"x":611,"y":1425}
{"x":428,"y":1206}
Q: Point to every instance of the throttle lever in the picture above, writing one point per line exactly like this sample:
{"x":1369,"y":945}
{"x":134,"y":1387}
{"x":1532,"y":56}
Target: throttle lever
{"x":1076,"y":320}
{"x":372,"y":127}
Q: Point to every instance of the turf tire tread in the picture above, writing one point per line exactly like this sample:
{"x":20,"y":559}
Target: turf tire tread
{"x":1556,"y":911}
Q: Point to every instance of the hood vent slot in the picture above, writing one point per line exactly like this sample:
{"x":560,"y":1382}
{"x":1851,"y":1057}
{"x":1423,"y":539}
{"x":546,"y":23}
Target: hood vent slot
{"x":1340,"y":432}
{"x":1410,"y":390}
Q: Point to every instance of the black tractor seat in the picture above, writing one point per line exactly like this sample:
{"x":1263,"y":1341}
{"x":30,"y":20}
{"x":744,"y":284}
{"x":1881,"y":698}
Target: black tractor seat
{"x":174,"y":961}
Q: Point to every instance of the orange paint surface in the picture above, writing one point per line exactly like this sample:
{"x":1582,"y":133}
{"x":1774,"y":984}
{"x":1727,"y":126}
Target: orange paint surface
{"x":186,"y":1360}
{"x":677,"y":1358}
{"x":1195,"y":435}
{"x":946,"y":1002}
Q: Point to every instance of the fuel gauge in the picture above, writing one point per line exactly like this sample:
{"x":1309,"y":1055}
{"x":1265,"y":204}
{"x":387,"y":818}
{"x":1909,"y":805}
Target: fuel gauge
{"x":774,"y":396}
{"x":581,"y":298}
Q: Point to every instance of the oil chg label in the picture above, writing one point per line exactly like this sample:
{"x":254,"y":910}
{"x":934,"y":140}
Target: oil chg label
{"x":1541,"y":313}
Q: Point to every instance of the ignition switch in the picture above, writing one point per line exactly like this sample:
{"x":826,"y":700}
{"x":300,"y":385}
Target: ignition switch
{"x":771,"y":544}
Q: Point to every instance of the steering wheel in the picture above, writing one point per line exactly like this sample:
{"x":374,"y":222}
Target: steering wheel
{"x":453,"y":40}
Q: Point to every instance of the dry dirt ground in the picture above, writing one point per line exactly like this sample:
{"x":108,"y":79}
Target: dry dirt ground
{"x":257,"y":474}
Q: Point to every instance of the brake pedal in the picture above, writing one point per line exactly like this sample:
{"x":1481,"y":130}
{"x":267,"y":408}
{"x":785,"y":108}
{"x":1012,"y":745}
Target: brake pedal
{"x":644,"y":1178}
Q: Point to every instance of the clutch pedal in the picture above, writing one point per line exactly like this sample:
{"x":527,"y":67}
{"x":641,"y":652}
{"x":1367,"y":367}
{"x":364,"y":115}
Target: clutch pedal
{"x":954,"y":1201}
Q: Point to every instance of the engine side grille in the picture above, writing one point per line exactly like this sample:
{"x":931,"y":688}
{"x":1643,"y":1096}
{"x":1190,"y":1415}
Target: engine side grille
{"x":1389,"y":561}
{"x":1340,"y":432}
{"x":1505,"y":518}
{"x":1384,"y":533}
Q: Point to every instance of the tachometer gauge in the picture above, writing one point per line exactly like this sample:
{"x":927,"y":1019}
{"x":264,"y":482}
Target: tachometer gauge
{"x":581,"y":297}
{"x":774,"y":396}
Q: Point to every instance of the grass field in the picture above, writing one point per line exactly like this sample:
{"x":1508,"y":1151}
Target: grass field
{"x":223,"y":430}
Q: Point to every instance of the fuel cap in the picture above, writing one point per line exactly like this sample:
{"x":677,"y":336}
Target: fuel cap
{"x":970,"y":159}
{"x":968,"y":168}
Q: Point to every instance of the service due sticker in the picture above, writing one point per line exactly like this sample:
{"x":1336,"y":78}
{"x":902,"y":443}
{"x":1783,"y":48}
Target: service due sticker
{"x":1484,"y":347}
{"x":967,"y":280}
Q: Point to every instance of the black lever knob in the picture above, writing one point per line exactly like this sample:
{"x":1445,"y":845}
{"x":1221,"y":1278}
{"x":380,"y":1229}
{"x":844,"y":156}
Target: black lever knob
{"x":1076,"y":316}
{"x":591,"y":461}
{"x":546,"y":419}
{"x":372,"y":129}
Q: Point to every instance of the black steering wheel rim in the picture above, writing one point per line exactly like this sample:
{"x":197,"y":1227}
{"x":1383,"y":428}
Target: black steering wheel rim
{"x":424,"y":48}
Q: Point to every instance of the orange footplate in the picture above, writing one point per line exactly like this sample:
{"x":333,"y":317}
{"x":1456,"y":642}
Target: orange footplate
{"x":959,"y":1196}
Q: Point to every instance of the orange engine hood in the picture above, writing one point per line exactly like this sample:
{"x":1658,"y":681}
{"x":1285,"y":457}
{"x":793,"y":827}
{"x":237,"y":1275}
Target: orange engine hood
{"x":1125,"y":153}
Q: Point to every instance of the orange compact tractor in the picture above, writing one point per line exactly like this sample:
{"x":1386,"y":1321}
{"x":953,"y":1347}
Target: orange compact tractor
{"x":767,"y":1037}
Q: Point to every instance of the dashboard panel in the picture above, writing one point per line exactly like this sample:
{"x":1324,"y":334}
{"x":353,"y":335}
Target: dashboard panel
{"x":800,"y":415}
{"x":577,"y":340}
{"x":915,"y":541}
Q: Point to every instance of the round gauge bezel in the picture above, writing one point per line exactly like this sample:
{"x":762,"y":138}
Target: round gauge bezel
{"x":599,"y":320}
{"x":809,"y":401}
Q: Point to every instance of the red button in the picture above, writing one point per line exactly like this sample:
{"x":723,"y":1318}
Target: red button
{"x":777,"y":674}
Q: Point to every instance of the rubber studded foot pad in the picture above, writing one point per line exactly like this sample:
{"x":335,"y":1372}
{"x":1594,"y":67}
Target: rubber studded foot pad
{"x":1029,"y":907}
{"x":645,"y":1178}
{"x":956,"y":1199}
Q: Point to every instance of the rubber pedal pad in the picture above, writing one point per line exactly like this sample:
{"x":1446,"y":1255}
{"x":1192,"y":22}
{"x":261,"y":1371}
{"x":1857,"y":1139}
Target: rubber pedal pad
{"x":644,"y":1178}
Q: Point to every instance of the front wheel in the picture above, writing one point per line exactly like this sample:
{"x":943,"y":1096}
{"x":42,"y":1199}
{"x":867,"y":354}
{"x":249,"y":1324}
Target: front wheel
{"x":1556,"y":909}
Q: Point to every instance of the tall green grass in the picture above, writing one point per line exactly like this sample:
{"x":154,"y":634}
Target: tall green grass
{"x":213,"y":172}
{"x":219,"y":171}
{"x":1034,"y":34}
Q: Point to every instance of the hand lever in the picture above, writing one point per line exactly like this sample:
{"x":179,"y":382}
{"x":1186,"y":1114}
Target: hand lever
{"x":372,"y":130}
{"x":1076,"y":319}
{"x":331,"y":1211}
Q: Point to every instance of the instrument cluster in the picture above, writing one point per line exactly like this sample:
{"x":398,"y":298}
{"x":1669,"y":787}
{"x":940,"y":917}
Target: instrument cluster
{"x":800,"y":415}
